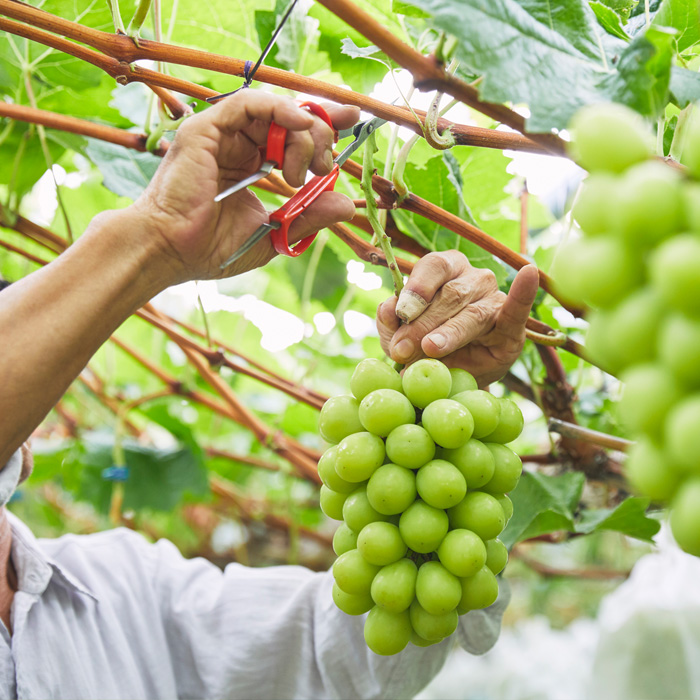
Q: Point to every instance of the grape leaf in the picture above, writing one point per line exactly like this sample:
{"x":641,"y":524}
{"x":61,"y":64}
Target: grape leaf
{"x":542,"y":504}
{"x":350,"y":48}
{"x":622,"y":8}
{"x":629,"y":518}
{"x":684,"y":17}
{"x":533,"y":51}
{"x":685,"y":86}
{"x":609,"y":20}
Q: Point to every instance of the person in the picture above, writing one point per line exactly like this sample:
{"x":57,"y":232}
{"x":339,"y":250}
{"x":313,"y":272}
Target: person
{"x":111,"y":616}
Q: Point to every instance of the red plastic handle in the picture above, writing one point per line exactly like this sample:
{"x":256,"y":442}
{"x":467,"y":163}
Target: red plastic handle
{"x":287,"y":213}
{"x":277,"y":135}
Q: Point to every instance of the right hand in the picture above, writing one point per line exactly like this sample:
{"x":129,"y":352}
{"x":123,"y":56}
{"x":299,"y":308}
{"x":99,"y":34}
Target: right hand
{"x":193,"y":234}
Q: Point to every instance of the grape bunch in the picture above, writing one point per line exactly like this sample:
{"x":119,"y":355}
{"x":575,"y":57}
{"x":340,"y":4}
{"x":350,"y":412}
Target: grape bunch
{"x":638,"y":267}
{"x":418,"y":471}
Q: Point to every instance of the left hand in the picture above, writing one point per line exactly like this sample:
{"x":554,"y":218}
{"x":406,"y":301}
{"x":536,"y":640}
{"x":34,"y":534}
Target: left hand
{"x":468,"y":322}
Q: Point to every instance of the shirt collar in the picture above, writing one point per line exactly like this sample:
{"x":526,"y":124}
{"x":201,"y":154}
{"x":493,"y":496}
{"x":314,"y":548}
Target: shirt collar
{"x":35,"y":570}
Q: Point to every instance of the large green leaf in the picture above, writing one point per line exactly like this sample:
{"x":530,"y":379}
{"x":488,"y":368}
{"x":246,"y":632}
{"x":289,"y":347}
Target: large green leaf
{"x":685,"y":86}
{"x":684,"y":17}
{"x":629,"y":518}
{"x":534,"y":51}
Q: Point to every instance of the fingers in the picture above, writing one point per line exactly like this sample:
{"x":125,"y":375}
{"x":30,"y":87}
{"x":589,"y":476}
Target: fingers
{"x":342,"y":116}
{"x":517,"y":305}
{"x":387,"y":323}
{"x":328,"y":209}
{"x":429,"y":275}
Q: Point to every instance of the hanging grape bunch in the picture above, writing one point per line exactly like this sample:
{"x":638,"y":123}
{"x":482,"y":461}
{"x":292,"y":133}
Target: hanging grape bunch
{"x":638,"y":267}
{"x":418,"y":472}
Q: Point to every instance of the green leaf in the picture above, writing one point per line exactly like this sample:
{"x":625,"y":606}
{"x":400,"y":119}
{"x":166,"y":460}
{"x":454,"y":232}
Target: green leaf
{"x":543,"y":504}
{"x":406,"y":9}
{"x":350,"y":48}
{"x":629,"y":518}
{"x":609,"y":20}
{"x":622,"y":8}
{"x":124,"y":171}
{"x":684,"y":17}
{"x":685,"y":86}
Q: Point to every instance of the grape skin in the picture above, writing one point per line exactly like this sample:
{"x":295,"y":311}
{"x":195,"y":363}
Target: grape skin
{"x":440,"y":484}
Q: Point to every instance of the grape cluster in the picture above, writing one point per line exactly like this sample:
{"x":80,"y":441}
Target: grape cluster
{"x":638,"y":267}
{"x":418,"y":473}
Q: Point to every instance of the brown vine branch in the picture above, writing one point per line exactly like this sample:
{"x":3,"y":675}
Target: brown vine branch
{"x":578,"y":432}
{"x":429,"y":74}
{"x":547,"y":570}
{"x":119,"y":52}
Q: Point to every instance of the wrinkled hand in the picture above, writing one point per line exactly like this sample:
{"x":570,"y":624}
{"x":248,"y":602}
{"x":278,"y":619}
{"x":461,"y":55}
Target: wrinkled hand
{"x":467,"y":322}
{"x":219,"y":147}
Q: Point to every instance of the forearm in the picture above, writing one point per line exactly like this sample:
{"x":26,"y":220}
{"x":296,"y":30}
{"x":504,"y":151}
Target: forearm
{"x":53,"y":321}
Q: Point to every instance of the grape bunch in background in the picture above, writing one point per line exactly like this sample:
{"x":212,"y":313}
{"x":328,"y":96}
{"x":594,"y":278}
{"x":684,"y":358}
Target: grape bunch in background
{"x":418,"y":472}
{"x":638,"y":267}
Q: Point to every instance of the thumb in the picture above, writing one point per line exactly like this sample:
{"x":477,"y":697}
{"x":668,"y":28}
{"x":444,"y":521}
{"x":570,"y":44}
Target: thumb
{"x":516,"y":308}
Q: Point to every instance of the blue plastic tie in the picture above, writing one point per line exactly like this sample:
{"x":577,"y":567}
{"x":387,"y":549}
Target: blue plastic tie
{"x":115,"y":473}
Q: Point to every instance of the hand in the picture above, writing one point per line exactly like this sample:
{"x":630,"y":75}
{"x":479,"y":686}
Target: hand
{"x":218,"y":147}
{"x":458,"y":314}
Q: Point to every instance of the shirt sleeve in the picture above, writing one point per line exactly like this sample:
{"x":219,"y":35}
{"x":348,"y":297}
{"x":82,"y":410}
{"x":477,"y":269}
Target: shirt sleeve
{"x":9,"y":477}
{"x":275,"y":633}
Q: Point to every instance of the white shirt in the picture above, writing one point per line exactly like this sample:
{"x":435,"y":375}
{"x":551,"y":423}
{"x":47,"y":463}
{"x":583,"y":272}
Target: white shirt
{"x":111,"y":616}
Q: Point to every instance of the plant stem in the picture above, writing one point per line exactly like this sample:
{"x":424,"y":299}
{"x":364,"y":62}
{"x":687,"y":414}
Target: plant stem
{"x":139,"y":18}
{"x":400,"y":166}
{"x":373,"y":213}
{"x":679,"y":135}
{"x":116,"y":16}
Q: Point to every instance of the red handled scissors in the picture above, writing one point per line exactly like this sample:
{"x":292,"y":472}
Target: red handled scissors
{"x":282,"y":218}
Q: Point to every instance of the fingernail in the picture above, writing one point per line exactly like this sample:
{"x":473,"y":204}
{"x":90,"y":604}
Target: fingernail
{"x":328,"y":160}
{"x":404,"y":349}
{"x":410,"y":305}
{"x":438,"y":339}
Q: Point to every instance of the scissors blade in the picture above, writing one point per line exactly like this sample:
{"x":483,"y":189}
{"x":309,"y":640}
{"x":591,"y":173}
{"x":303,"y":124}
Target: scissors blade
{"x":265,"y":170}
{"x":255,"y":238}
{"x":361,"y":132}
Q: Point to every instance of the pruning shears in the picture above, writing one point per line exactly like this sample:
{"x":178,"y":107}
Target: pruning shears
{"x":282,"y":218}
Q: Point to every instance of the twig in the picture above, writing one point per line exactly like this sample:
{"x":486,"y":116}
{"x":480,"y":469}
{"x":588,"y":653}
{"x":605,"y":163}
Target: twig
{"x":578,"y":432}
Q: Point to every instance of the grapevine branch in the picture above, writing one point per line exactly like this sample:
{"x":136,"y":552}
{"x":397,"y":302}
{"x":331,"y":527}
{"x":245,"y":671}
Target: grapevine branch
{"x":578,"y":432}
{"x":119,"y":52}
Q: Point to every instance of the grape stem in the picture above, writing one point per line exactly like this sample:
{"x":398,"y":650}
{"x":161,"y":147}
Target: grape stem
{"x":383,"y":240}
{"x":578,"y":432}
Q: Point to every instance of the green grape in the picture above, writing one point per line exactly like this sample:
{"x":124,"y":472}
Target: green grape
{"x":358,"y":511}
{"x":479,"y":512}
{"x":332,"y":503}
{"x":609,"y":137}
{"x":391,"y":489}
{"x":418,"y":641}
{"x":679,"y":348}
{"x":432,"y":628}
{"x":423,"y":527}
{"x":649,"y":205}
{"x":496,"y":556}
{"x":566,"y":274}
{"x":507,"y":471}
{"x":595,"y":202}
{"x":385,"y":409}
{"x":673,"y":267}
{"x":394,"y":587}
{"x":440,"y":484}
{"x":691,"y":201}
{"x":649,"y":471}
{"x":328,"y":474}
{"x":426,"y":381}
{"x":387,"y":633}
{"x":340,"y":417}
{"x":353,"y":574}
{"x":475,"y":461}
{"x":461,"y":381}
{"x":510,"y":424}
{"x":506,"y":504}
{"x":484,"y":408}
{"x":352,"y":604}
{"x":478,"y":591}
{"x":685,"y":516}
{"x":448,"y":422}
{"x":410,"y":446}
{"x":601,"y":343}
{"x":437,"y":590}
{"x":607,"y":271}
{"x":683,"y":433}
{"x":380,"y":543}
{"x":359,"y":455}
{"x":650,"y":392}
{"x":691,"y":149}
{"x":344,"y":539}
{"x":372,"y":374}
{"x":633,"y":328}
{"x":462,"y":552}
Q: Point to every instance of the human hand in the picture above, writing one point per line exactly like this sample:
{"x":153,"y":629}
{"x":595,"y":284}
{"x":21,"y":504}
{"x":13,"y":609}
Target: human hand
{"x":457,"y":313}
{"x":219,"y":147}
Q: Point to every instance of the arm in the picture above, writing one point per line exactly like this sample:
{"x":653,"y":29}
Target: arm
{"x":275,"y":632}
{"x":54,"y":320}
{"x":455,"y":312}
